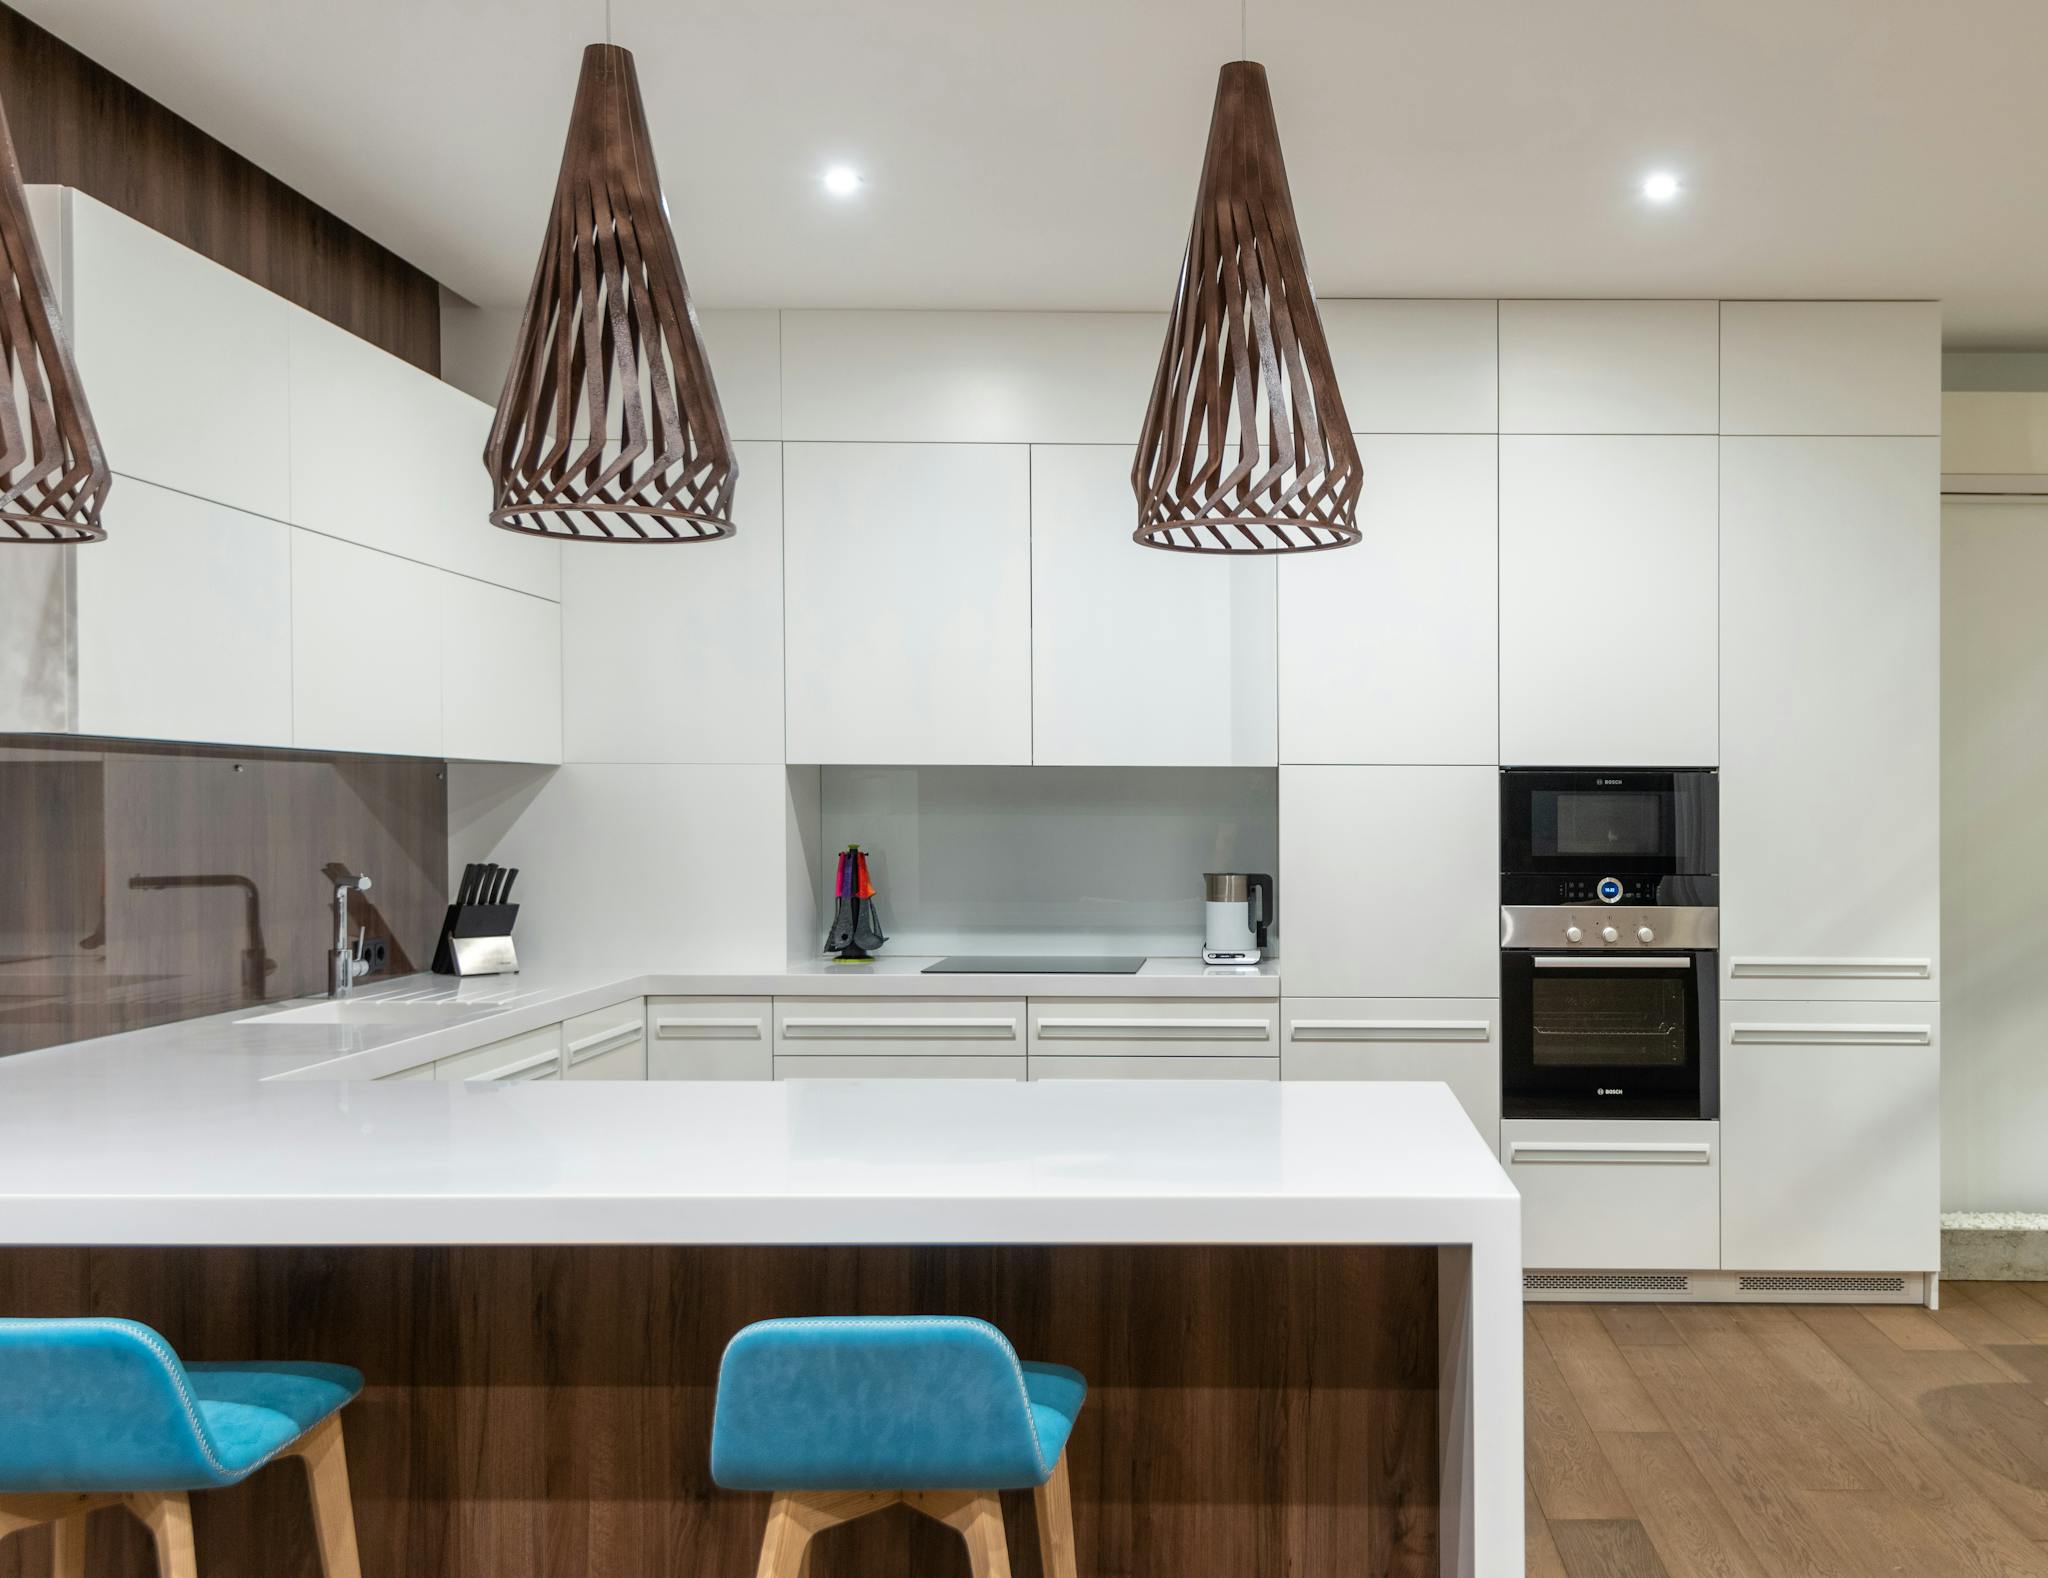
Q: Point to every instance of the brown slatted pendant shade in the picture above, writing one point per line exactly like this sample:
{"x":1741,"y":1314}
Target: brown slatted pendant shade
{"x":53,"y":478}
{"x":1245,"y":365}
{"x":609,"y":429}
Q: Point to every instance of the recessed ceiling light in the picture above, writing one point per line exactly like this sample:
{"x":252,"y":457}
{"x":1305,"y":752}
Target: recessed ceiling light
{"x":842,"y":180}
{"x":1661,"y":186}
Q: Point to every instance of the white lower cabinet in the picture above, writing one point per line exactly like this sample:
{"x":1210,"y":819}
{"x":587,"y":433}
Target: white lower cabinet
{"x":911,"y":1066}
{"x":1169,"y":1066}
{"x":608,"y":1044}
{"x":1386,"y":1038}
{"x":1136,"y":1029}
{"x":710,"y":1038}
{"x":535,"y":1055}
{"x":1616,"y":1196}
{"x":872,"y":1028}
{"x":1832,"y":1117}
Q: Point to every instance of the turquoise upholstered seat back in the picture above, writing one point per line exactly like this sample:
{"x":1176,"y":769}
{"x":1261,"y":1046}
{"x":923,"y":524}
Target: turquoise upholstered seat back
{"x":901,"y":1402}
{"x":105,"y":1405}
{"x":97,"y":1405}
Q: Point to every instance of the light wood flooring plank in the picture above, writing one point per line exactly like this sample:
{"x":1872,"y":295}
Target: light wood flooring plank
{"x":1616,"y":1548}
{"x":1542,"y":1560}
{"x":1691,"y":1530}
{"x":1911,"y":1327}
{"x":1565,"y":1463}
{"x":1602,"y":1384}
{"x":1638,"y":1326}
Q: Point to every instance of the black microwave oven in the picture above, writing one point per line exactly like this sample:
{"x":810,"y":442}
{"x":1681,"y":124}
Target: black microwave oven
{"x":1629,"y":835}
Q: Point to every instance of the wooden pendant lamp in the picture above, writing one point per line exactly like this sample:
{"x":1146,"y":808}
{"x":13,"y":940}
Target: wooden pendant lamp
{"x":609,"y":429}
{"x":53,"y":478}
{"x":1245,"y":448}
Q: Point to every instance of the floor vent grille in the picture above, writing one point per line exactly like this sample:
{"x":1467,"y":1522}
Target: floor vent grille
{"x":1823,"y":1284}
{"x":1605,"y":1282}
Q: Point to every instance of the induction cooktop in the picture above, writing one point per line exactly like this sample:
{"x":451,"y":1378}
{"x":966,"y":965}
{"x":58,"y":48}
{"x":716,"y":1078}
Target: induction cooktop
{"x":1027,"y":964}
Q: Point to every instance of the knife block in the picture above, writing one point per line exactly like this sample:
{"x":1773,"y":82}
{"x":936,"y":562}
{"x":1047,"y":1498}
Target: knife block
{"x":476,"y":939}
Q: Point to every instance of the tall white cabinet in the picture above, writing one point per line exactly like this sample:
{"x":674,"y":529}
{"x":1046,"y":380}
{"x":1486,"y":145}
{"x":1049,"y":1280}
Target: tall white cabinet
{"x":1830,"y":787}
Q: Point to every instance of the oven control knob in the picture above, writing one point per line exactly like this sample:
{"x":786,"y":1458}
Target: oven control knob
{"x":1609,"y":934}
{"x":1644,"y":934}
{"x":1572,"y":934}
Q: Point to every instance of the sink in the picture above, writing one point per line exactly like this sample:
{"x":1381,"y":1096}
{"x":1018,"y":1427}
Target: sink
{"x":412,"y":1009}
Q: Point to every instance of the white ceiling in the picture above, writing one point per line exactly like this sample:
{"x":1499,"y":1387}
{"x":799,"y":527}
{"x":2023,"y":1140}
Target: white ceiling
{"x":1043,"y":153}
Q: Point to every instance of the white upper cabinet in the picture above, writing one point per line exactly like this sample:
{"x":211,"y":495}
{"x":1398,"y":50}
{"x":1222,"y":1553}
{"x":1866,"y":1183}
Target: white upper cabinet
{"x":501,"y":672}
{"x":1416,"y":366}
{"x":366,"y":649}
{"x":907,"y":597}
{"x":1607,"y":602}
{"x":185,"y":362}
{"x":674,"y":653}
{"x":1387,"y":648}
{"x":1140,"y":657}
{"x":1609,"y":366}
{"x":969,"y":377}
{"x":184,"y":623}
{"x":1831,"y":367}
{"x":1389,"y":881}
{"x":390,"y":457}
{"x":1830,"y":738}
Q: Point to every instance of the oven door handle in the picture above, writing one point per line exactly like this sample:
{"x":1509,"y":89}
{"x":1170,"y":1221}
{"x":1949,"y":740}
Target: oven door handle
{"x":1622,"y":961}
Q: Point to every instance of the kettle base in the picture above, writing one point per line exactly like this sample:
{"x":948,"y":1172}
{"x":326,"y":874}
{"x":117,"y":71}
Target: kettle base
{"x":1220,"y":956}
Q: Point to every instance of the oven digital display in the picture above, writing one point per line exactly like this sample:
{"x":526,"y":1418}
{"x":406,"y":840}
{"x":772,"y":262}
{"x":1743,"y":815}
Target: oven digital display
{"x":1596,"y":822}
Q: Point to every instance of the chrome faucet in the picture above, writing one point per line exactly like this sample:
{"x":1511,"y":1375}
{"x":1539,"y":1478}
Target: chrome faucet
{"x":345,"y":967}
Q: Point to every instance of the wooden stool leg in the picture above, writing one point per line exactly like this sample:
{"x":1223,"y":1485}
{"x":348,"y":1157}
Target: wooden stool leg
{"x":168,"y":1518}
{"x":794,"y":1517}
{"x":786,"y":1548}
{"x":68,"y":1558}
{"x":334,"y":1516}
{"x":988,"y":1552}
{"x":1055,"y":1523}
{"x":977,"y":1517}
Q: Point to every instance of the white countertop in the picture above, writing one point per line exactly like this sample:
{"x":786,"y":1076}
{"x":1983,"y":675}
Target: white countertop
{"x":813,"y":1162}
{"x":200,"y":1133}
{"x":256,"y":1042}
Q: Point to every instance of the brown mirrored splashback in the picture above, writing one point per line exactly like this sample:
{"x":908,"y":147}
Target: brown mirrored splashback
{"x":144,"y":883}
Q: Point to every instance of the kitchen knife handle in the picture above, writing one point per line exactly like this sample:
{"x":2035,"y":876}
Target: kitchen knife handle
{"x":505,"y":892}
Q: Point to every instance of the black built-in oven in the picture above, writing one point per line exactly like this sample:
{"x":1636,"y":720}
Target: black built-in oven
{"x":1609,"y":926}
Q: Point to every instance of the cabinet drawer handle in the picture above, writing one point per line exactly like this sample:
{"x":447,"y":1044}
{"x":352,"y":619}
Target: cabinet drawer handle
{"x":1832,"y":1035}
{"x":590,"y":1045}
{"x":1154,"y":1030}
{"x":817,"y":1029}
{"x":524,"y":1065}
{"x":1832,"y":969}
{"x":707,"y":1029}
{"x":1388,"y":1030}
{"x":1664,"y":1153}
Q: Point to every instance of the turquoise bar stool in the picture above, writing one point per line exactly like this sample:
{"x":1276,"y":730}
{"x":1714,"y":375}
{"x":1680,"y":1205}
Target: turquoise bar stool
{"x":101,"y":1413}
{"x":843,"y":1416}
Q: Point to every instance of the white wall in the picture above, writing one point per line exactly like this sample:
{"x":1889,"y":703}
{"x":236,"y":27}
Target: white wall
{"x":1994,"y":856}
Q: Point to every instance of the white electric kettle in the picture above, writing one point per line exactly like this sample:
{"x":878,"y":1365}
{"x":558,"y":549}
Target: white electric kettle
{"x":1236,"y":916}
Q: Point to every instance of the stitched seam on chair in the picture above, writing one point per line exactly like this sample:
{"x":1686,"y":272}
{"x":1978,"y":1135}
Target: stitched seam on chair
{"x":900,"y":1322}
{"x":172,"y":1368}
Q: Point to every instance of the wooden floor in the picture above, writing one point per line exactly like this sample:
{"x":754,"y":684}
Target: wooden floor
{"x":1748,"y":1441}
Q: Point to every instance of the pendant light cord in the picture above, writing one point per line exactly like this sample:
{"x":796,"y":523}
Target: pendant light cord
{"x":1243,"y":46}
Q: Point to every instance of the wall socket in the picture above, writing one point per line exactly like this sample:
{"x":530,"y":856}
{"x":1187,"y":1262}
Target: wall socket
{"x":376,"y":954}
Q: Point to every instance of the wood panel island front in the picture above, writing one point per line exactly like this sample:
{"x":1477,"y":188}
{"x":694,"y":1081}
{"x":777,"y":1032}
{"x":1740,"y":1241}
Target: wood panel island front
{"x":1298,"y":1304}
